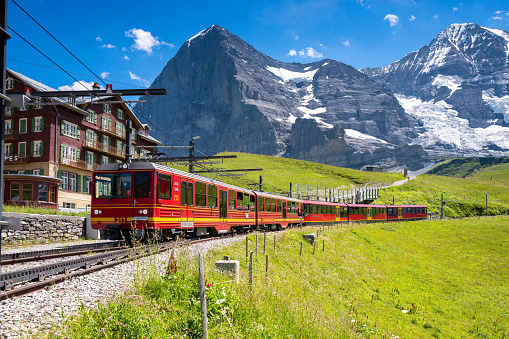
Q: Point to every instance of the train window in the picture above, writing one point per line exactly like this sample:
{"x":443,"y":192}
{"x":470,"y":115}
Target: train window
{"x":190,"y":194}
{"x":200,"y":196}
{"x":142,"y":185}
{"x":261,"y":201}
{"x":273,"y":205}
{"x":164,"y":186}
{"x":183,"y":193}
{"x":240,"y":200}
{"x":231,"y":198}
{"x":114,"y":185}
{"x":246,"y":202}
{"x":252,"y":203}
{"x":267,"y":204}
{"x":278,"y":205}
{"x":212,"y":196}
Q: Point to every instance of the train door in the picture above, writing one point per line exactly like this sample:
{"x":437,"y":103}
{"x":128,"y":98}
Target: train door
{"x":284,"y":210}
{"x":141,"y":198}
{"x":223,"y":209}
{"x":369,"y":213}
{"x":400,"y":213}
{"x":186,"y":203}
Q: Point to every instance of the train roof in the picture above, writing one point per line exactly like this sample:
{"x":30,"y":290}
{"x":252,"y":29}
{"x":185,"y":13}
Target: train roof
{"x":270,"y":195}
{"x":366,"y":205}
{"x":317,"y":202}
{"x":407,"y":206}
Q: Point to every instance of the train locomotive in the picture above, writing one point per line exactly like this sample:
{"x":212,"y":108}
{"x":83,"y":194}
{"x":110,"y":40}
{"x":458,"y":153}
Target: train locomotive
{"x":152,"y":200}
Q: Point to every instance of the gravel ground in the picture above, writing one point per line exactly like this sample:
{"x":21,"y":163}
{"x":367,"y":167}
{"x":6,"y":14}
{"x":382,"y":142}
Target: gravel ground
{"x":40,"y":311}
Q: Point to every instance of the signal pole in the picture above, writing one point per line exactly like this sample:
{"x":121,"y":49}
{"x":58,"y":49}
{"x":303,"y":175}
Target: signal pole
{"x":191,"y":154}
{"x":3,"y":49}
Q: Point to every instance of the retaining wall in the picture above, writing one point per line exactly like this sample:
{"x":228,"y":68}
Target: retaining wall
{"x":44,"y":228}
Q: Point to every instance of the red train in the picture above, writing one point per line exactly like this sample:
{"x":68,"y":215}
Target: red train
{"x":154,"y":200}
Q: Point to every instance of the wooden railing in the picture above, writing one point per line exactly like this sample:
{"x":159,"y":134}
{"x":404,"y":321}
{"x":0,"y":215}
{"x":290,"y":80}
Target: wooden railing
{"x":78,"y":163}
{"x":11,"y":134}
{"x":105,"y":148}
{"x":113,"y":130}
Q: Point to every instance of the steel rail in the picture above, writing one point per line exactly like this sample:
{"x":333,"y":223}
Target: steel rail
{"x":20,"y":257}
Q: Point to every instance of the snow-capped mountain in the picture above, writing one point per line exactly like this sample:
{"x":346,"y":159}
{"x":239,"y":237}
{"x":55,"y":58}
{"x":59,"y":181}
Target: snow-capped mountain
{"x":238,"y":99}
{"x":457,"y":87}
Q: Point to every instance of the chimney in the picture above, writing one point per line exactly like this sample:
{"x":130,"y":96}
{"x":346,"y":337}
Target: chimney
{"x":96,"y":86}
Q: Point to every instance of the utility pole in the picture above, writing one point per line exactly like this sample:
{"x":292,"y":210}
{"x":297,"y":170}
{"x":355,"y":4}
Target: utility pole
{"x":261,"y":183}
{"x":128,"y":141}
{"x":191,"y":154}
{"x":3,"y":48}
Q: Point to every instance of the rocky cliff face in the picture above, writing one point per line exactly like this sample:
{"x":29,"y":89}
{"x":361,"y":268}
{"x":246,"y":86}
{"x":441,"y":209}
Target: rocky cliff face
{"x":458,"y":88}
{"x":238,"y":99}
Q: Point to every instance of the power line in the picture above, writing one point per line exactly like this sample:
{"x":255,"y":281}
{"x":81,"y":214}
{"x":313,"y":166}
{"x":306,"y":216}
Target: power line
{"x":84,"y":75}
{"x":47,"y":57}
{"x":58,"y":41}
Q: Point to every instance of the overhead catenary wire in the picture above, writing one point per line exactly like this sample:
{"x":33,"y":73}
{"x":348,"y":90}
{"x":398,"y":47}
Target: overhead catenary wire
{"x":47,"y":57}
{"x":58,"y":41}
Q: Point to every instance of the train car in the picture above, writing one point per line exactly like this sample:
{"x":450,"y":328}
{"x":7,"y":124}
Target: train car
{"x":275,"y":212}
{"x":320,"y":212}
{"x":368,"y":213}
{"x":406,"y":212}
{"x":154,"y":200}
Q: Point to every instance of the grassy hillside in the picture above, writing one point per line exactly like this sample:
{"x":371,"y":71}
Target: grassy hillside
{"x":441,"y":279}
{"x":279,"y":172}
{"x":463,"y":196}
{"x":463,"y":167}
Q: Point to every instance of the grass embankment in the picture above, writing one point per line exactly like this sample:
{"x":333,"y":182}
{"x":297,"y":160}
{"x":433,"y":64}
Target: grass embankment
{"x":279,"y":172}
{"x":463,"y":196}
{"x":40,"y":210}
{"x":463,"y":167}
{"x":441,"y":279}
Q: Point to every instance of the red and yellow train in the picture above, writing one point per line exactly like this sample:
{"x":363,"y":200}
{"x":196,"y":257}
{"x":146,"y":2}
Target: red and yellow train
{"x":150,"y":199}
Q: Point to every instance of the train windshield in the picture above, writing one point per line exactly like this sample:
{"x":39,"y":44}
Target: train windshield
{"x":113,"y":185}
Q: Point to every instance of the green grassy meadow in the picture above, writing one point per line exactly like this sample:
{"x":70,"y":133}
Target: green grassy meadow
{"x":427,"y":279}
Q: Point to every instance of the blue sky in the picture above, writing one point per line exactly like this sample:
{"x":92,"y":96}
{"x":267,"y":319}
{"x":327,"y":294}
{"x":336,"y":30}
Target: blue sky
{"x":127,"y":43}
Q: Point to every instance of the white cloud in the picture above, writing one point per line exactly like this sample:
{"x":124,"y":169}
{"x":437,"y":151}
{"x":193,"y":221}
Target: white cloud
{"x":78,"y":86}
{"x":346,"y":43}
{"x":144,"y":40}
{"x":292,"y":52}
{"x":104,"y":75}
{"x":138,"y":78}
{"x":295,"y":36}
{"x":124,"y":49}
{"x":126,"y":58}
{"x":311,"y":52}
{"x":109,"y":46}
{"x":412,"y":18}
{"x":393,"y":19}
{"x":301,"y":53}
{"x":497,"y":18}
{"x":98,"y":38}
{"x":454,"y":9}
{"x":498,"y":12}
{"x":435,"y":16}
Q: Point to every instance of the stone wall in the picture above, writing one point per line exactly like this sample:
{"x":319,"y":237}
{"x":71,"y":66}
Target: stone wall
{"x":44,"y":228}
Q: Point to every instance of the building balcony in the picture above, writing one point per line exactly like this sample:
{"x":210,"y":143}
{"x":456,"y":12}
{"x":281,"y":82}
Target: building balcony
{"x":11,"y":135}
{"x":16,"y":159}
{"x":78,"y":163}
{"x":112,"y":130}
{"x":104,"y":148}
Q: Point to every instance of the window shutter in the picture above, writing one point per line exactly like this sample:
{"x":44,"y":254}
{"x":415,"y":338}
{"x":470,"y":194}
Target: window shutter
{"x":42,"y":124}
{"x":22,"y":149}
{"x":79,"y":133}
{"x":95,"y":118}
{"x":85,"y":183}
{"x":28,"y":171}
{"x":87,"y":134}
{"x":11,"y":151}
{"x":61,"y":151}
{"x":41,"y":171}
{"x":14,"y":172}
{"x":59,"y":175}
{"x":33,"y":125}
{"x":32,"y":149}
{"x":42,"y":148}
{"x":78,"y":154}
{"x":104,"y":107}
{"x":62,"y":127}
{"x":79,"y":183}
{"x":95,"y":158}
{"x":23,"y":126}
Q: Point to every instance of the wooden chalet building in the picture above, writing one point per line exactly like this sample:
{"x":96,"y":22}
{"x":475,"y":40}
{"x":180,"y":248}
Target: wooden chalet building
{"x":53,"y":145}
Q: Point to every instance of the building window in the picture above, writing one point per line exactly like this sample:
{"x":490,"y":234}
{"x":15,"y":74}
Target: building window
{"x":43,"y":192}
{"x":15,"y":190}
{"x":118,"y":128}
{"x":106,"y":143}
{"x":69,"y":152}
{"x":91,"y":117}
{"x":37,"y":148}
{"x":65,"y":180}
{"x":21,"y":171}
{"x":8,"y":149}
{"x":36,"y":172}
{"x":23,"y":125}
{"x":26,"y":193}
{"x":8,"y":126}
{"x":70,"y":129}
{"x":9,"y":83}
{"x":38,"y":124}
{"x":38,"y":102}
{"x":104,"y":160}
{"x":105,"y":124}
{"x":8,"y":111}
{"x":68,"y":205}
{"x":86,"y":184}
{"x":52,"y":194}
{"x":106,"y":108}
{"x":120,"y":114}
{"x":72,"y":182}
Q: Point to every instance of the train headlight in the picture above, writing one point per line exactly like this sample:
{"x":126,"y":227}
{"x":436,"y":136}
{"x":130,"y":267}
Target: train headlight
{"x":97,"y":211}
{"x":141,"y":211}
{"x":145,"y":211}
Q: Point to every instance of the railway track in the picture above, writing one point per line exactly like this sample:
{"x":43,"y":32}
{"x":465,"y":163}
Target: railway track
{"x":26,"y":281}
{"x":23,"y":257}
